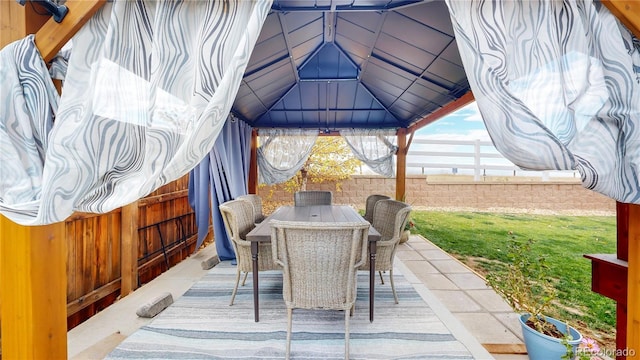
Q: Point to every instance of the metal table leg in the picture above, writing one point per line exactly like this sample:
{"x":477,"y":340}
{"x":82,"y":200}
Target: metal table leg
{"x":372,"y":277}
{"x":256,"y":300}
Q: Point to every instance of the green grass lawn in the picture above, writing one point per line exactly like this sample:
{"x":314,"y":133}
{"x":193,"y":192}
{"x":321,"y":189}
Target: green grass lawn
{"x":479,"y":240}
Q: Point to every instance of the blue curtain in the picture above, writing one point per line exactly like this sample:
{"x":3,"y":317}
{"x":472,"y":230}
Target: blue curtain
{"x":199,"y":197}
{"x":225,"y":171}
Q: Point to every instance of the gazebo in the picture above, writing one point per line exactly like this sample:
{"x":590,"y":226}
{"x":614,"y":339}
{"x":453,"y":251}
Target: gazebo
{"x":353,"y":68}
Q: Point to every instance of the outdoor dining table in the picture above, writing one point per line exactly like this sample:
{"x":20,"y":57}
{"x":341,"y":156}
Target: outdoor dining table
{"x":320,"y":213}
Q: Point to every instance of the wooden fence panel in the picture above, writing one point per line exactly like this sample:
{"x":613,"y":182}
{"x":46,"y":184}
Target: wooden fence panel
{"x":167,"y":232}
{"x":93,"y":262}
{"x":94,"y":248}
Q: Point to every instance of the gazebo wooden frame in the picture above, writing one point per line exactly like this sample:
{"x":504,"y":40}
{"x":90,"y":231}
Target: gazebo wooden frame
{"x":32,"y":259}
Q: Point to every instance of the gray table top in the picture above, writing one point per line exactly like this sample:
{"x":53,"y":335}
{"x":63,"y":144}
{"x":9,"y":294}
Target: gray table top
{"x":321,"y":213}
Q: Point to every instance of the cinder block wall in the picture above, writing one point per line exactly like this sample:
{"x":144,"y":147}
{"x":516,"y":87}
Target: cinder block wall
{"x":512,"y":194}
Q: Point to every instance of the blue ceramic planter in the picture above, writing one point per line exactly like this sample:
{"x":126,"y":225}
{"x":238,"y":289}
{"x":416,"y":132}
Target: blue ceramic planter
{"x":544,"y":347}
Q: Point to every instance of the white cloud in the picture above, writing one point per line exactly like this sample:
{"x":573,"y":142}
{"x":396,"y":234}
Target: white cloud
{"x":477,"y":134}
{"x":480,"y":134}
{"x":471,"y":113}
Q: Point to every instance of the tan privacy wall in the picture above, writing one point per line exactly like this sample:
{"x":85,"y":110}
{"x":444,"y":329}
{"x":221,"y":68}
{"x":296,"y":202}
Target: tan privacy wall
{"x":463,"y":193}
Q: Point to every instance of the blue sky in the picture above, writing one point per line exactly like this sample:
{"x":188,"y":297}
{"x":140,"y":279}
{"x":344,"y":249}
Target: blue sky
{"x":464,"y":124}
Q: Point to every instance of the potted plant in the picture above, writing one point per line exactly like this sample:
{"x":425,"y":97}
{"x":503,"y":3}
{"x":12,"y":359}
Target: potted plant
{"x":529,"y":291}
{"x":587,"y":350}
{"x":410,"y":225}
{"x":404,"y":237}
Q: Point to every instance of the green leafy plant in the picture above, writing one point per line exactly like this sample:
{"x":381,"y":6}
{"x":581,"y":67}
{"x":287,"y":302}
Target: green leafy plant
{"x":587,"y":350}
{"x":331,"y":161}
{"x":410,"y":224}
{"x":526,"y":286}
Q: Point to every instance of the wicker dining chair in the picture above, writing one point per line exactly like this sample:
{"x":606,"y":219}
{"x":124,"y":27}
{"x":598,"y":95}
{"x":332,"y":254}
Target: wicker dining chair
{"x":256,"y":201}
{"x":312,"y":197}
{"x":237,"y":216}
{"x":320,"y":262}
{"x":370,"y":204}
{"x":389,"y":218}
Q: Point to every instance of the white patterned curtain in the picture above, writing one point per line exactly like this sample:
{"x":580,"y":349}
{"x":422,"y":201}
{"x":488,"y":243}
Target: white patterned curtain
{"x":282,"y":152}
{"x":557,"y":87}
{"x":375,"y":148}
{"x":148,"y":89}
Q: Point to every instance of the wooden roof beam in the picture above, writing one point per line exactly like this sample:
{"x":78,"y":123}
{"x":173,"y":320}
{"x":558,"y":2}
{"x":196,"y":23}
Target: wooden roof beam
{"x":443,"y":111}
{"x":627,"y":12}
{"x":52,"y":36}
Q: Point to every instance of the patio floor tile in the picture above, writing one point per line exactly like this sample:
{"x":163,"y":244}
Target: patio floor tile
{"x":487,"y":329}
{"x":408,"y":254}
{"x":457,"y":301}
{"x":435,"y":254}
{"x":420,"y":267}
{"x":437,"y":282}
{"x":418,"y":243}
{"x":449,"y":266}
{"x":468,"y":281}
{"x":510,"y":320}
{"x":488,"y":299}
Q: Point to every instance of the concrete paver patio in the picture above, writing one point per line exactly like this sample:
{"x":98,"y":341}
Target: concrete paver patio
{"x":466,"y":296}
{"x":462,"y":293}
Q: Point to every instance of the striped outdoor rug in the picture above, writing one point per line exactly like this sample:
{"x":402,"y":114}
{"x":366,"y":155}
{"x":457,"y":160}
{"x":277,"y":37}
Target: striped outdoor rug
{"x":202,"y":325}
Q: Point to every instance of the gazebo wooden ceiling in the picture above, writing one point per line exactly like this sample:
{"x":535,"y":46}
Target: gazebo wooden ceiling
{"x":384,"y":87}
{"x":332,"y":64}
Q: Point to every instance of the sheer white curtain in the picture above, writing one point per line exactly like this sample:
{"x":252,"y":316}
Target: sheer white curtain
{"x":282,"y":152}
{"x":375,"y":148}
{"x":147,"y":91}
{"x":557,"y":87}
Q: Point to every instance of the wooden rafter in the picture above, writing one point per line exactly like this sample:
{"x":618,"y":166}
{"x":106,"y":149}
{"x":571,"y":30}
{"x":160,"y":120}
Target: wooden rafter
{"x":627,"y":12}
{"x":52,"y":35}
{"x":442,"y":112}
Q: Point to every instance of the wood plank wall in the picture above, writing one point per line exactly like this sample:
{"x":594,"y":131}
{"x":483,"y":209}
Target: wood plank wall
{"x":93,"y":263}
{"x":166,"y":211}
{"x":94,"y":248}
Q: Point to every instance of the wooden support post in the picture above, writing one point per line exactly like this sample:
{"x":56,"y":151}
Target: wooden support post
{"x":622,"y":254}
{"x":252,"y":186}
{"x":628,"y":13}
{"x":401,"y":163}
{"x":32,"y":260}
{"x":33,"y":274}
{"x":633,"y":289}
{"x":18,"y":21}
{"x":1,"y":236}
{"x":609,"y":275}
{"x":34,"y":291}
{"x":129,"y":248}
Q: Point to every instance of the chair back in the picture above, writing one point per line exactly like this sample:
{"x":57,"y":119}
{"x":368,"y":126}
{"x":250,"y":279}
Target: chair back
{"x":256,"y":201}
{"x":370,"y":204}
{"x":390,"y":218}
{"x":312,"y":197}
{"x":238,"y":219}
{"x":319,"y":261}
